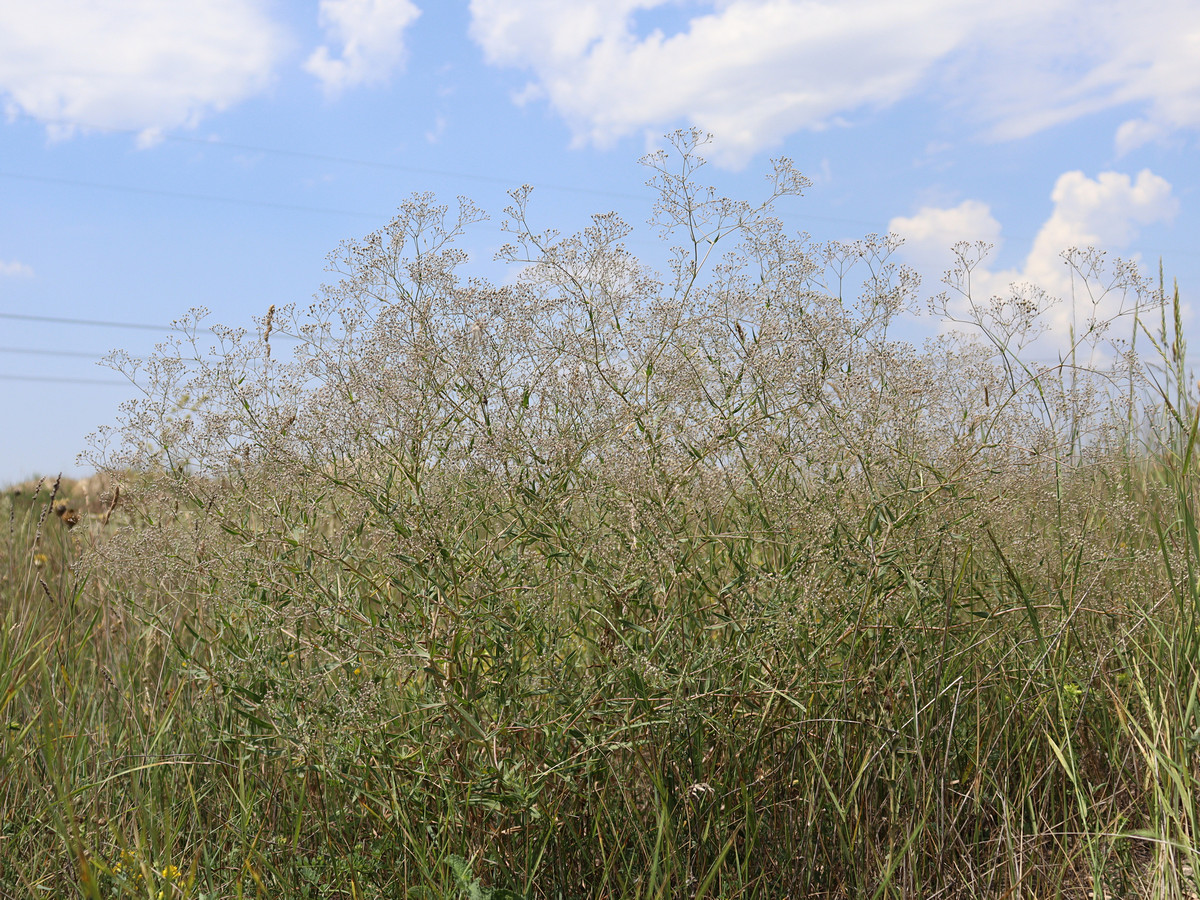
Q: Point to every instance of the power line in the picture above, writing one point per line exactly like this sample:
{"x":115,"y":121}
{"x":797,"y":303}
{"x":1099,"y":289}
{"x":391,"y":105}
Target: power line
{"x":100,"y":323}
{"x":361,"y":214}
{"x":55,"y":379}
{"x":341,"y":160}
{"x":397,"y":167}
{"x":33,"y":351}
{"x":184,"y":195}
{"x":57,"y":320}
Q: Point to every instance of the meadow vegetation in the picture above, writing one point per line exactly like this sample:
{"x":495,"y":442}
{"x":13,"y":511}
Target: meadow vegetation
{"x":616,"y":583}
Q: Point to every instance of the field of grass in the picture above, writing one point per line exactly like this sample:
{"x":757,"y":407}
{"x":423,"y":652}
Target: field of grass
{"x":598,"y":585}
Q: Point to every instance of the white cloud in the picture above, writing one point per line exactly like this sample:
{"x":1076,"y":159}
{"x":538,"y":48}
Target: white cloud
{"x":15,"y":269}
{"x":1105,"y":213}
{"x":1068,"y":59}
{"x":371,"y":35}
{"x":754,"y":71}
{"x":137,"y":64}
{"x":749,"y":71}
{"x":929,"y":235}
{"x":1136,"y":132}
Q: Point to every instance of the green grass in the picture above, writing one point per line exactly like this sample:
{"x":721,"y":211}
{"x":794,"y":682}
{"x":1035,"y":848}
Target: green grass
{"x":976,"y":707}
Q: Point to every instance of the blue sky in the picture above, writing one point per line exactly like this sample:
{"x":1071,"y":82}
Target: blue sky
{"x":156,"y":156}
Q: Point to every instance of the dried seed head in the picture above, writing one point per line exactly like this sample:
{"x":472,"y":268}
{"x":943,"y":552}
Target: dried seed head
{"x":267,"y":328}
{"x":112,"y":504}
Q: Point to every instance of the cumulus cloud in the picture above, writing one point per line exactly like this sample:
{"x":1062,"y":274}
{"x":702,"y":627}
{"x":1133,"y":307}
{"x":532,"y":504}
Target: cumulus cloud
{"x":15,"y":269}
{"x":929,"y":235}
{"x":749,"y":71}
{"x":133,"y":64}
{"x":371,"y":36}
{"x":754,"y":71}
{"x":1105,"y":212}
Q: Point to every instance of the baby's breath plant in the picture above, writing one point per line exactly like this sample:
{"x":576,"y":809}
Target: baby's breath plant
{"x":610,"y":581}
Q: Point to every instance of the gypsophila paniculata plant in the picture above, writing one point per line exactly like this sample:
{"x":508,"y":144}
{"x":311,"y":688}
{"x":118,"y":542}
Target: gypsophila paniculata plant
{"x":496,"y":568}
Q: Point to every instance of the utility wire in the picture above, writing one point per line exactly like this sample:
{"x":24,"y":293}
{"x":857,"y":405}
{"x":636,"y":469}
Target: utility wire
{"x":184,"y":195}
{"x":397,"y":167}
{"x":33,"y":351}
{"x":100,"y":323}
{"x":58,"y":320}
{"x":55,"y":379}
{"x":341,"y":160}
{"x":323,"y":210}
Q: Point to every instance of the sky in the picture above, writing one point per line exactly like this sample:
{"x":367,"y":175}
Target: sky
{"x":160,"y":155}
